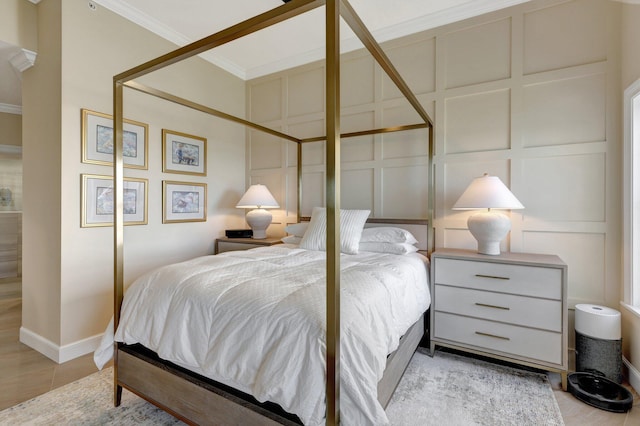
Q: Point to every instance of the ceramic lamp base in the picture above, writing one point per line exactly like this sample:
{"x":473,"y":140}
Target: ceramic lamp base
{"x":489,"y":229}
{"x":259,"y":220}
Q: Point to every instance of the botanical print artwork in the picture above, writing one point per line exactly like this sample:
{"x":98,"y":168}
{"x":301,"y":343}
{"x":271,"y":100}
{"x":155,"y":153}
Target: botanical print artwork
{"x":185,"y":202}
{"x":104,"y":141}
{"x":185,"y":153}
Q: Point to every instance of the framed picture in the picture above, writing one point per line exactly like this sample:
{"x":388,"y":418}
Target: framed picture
{"x":97,"y":140}
{"x":184,"y":202}
{"x":97,"y":201}
{"x":182,"y":153}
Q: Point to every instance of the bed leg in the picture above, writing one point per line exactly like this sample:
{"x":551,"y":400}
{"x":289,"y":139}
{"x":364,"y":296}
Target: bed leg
{"x":117,"y":395}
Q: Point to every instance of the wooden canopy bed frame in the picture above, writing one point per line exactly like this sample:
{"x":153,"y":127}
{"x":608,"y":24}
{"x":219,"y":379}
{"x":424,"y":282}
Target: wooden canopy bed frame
{"x":196,"y":399}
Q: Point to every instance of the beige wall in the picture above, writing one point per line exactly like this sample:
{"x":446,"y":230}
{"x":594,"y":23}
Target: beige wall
{"x":68,"y":279}
{"x":11,"y":125}
{"x":530,"y":94}
{"x":630,"y":41}
{"x":18,"y":24}
{"x":42,"y":168}
{"x":631,"y":73}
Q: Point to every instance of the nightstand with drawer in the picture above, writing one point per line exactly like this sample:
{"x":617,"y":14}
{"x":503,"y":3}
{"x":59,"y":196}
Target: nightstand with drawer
{"x":512,"y":306}
{"x":223,"y":244}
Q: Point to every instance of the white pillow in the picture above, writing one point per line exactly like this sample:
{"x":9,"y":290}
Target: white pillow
{"x":291,"y":239}
{"x":387,"y":234}
{"x":351,"y":225}
{"x":297,"y":229}
{"x":393,"y":248}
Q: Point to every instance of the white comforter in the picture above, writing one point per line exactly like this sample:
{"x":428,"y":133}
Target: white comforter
{"x":255,"y":320}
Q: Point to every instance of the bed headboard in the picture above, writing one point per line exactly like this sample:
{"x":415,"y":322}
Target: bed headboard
{"x":418,"y":227}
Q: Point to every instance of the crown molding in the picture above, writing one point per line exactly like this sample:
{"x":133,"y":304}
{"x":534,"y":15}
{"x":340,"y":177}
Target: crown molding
{"x":421,"y":23}
{"x":23,"y":60}
{"x":164,"y":31}
{"x":444,"y":17}
{"x":10,"y":109}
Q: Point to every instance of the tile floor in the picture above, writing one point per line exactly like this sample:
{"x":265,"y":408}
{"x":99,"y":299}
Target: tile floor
{"x":25,"y":373}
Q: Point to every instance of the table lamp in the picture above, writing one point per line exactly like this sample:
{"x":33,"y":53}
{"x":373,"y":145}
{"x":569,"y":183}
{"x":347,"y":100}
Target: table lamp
{"x":488,"y":227}
{"x":258,"y":198}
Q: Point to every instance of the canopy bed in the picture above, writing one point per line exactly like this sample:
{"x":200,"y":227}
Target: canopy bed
{"x":189,"y":395}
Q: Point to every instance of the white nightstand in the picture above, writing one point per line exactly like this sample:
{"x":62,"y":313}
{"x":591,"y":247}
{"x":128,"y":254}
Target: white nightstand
{"x":231,"y":244}
{"x":511,"y":307}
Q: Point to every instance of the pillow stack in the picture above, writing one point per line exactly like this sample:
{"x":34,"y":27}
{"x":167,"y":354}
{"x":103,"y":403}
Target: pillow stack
{"x":351,"y":226}
{"x":388,"y":240}
{"x":354,"y":238}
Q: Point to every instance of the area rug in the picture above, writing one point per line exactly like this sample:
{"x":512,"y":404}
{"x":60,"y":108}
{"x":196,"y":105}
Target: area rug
{"x":446,"y":389}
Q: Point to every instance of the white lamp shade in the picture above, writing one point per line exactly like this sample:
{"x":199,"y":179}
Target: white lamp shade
{"x":259,"y":198}
{"x":488,"y":227}
{"x":487,"y":192}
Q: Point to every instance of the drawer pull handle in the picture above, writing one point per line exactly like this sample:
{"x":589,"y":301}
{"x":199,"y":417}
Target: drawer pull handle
{"x":495,"y":277}
{"x":492,"y":335}
{"x":493,"y":306}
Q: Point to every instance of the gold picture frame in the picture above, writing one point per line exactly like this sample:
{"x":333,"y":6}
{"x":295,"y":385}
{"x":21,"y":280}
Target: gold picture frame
{"x":97,"y":201}
{"x":184,"y":202}
{"x":183,"y":153}
{"x":97,"y":140}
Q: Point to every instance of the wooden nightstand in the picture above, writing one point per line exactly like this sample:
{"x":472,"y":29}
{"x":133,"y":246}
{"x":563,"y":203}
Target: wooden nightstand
{"x":511,"y":307}
{"x":230,"y":244}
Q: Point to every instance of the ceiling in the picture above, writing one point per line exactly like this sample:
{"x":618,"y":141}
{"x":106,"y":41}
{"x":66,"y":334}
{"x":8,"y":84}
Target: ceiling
{"x":293,"y":42}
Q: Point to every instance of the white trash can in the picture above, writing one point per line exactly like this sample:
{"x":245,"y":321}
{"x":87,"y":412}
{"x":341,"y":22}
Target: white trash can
{"x":598,"y":341}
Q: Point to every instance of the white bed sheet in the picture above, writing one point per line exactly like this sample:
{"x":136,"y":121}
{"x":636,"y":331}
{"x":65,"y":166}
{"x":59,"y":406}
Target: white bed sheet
{"x":255,"y":320}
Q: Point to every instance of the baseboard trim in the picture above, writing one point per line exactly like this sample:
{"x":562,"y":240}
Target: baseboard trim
{"x":634,"y":374}
{"x":45,"y":346}
{"x":59,"y":354}
{"x":80,"y":348}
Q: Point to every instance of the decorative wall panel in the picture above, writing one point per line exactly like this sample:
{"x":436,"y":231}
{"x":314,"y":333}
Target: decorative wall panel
{"x":529,"y":93}
{"x":314,"y":191}
{"x":478,"y":122}
{"x":307,"y":129}
{"x":584,"y":249}
{"x":408,"y":144}
{"x":313,"y":154}
{"x":305,"y":93}
{"x":461,"y":238}
{"x":357,"y":189}
{"x":565,"y":35}
{"x":478,"y":54}
{"x":266,"y":100}
{"x":360,"y":148}
{"x":265,"y":151}
{"x":404,"y":193}
{"x":416,"y":64}
{"x":565,"y":111}
{"x":565,"y":188}
{"x":357,"y":81}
